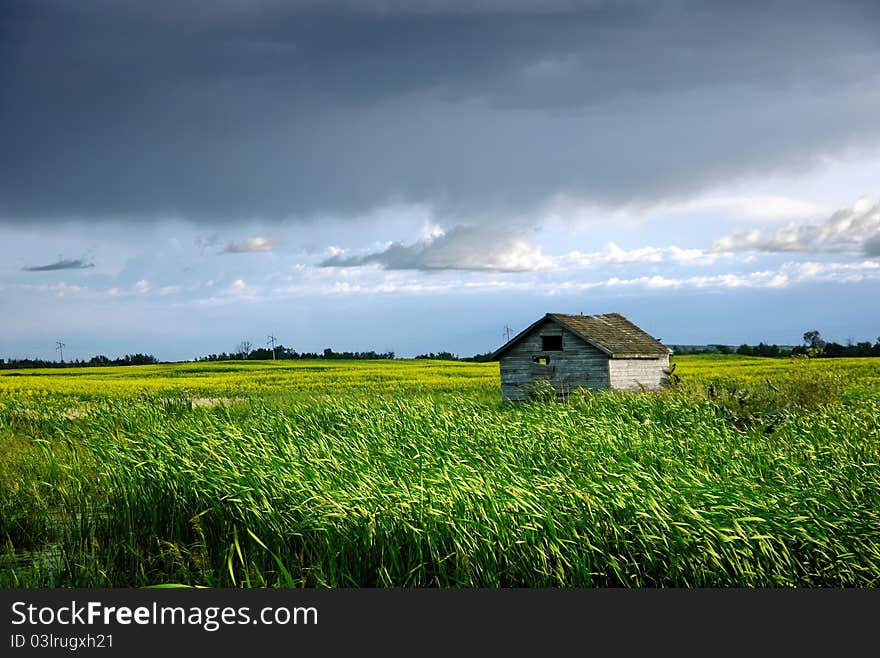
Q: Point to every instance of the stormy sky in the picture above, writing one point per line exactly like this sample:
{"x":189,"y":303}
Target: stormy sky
{"x":177,"y":177}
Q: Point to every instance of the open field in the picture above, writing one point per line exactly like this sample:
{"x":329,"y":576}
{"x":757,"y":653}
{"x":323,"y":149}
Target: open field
{"x":415,"y":473}
{"x":257,"y":378}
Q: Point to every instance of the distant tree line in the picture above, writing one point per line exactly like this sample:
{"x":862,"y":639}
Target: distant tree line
{"x":763,"y":349}
{"x":283,"y":353}
{"x":813,"y":346}
{"x":99,"y":360}
{"x":449,"y":356}
{"x":245,"y":353}
{"x":703,"y":349}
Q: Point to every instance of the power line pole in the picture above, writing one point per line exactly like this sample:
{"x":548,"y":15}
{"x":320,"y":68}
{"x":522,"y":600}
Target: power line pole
{"x":507,"y":333}
{"x":270,"y":340}
{"x":59,"y":347}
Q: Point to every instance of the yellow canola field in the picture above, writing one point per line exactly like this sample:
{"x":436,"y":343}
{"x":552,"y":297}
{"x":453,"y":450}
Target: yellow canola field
{"x":405,"y":377}
{"x":255,"y":378}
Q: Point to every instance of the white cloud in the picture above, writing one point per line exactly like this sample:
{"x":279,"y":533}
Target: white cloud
{"x":236,"y":292}
{"x":615,"y":255}
{"x":251,"y":245}
{"x":431,"y":231}
{"x":850,"y":230}
{"x":474,"y":248}
{"x":786,"y":275}
{"x":690,"y":256}
{"x":63,"y":289}
{"x":240,"y":289}
{"x":142,"y":288}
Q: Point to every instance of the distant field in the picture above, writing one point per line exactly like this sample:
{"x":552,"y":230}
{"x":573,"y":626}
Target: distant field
{"x":400,"y":376}
{"x":704,"y":367}
{"x":749,"y":472}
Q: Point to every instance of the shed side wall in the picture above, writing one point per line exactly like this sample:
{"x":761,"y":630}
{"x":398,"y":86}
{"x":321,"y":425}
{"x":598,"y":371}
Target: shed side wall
{"x":632,"y":374}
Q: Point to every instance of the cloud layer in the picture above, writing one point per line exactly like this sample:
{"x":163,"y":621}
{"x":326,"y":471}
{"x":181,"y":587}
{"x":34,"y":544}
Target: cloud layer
{"x":223,"y":111}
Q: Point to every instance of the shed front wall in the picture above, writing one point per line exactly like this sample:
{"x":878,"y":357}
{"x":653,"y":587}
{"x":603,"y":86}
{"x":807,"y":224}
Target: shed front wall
{"x":579,"y":364}
{"x":634,"y":374}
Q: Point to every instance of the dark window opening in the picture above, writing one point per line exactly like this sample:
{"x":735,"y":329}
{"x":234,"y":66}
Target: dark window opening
{"x":543,"y":360}
{"x":551,"y":343}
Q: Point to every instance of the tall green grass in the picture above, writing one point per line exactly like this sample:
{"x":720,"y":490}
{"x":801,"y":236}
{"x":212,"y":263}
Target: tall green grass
{"x":611,"y":489}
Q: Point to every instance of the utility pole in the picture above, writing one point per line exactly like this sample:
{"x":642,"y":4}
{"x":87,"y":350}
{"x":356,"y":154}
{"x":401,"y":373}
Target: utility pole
{"x":59,"y":347}
{"x":270,"y":340}
{"x":507,"y":333}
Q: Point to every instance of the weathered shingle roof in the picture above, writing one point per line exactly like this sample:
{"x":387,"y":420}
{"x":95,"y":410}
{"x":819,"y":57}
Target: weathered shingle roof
{"x":611,"y":333}
{"x":620,"y":337}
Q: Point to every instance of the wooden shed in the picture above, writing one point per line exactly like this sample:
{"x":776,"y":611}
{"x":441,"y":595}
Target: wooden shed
{"x":581,"y":351}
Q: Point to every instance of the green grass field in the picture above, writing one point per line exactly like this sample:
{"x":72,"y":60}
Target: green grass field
{"x":415,"y":473}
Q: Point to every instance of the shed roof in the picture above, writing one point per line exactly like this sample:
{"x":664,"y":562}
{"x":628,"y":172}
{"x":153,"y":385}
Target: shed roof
{"x":611,"y":333}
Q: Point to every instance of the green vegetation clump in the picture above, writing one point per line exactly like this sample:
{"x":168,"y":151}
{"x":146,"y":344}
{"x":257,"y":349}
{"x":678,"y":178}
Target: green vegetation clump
{"x":417,"y":474}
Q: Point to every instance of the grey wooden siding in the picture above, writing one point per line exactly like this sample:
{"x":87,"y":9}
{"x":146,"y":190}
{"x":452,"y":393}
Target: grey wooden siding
{"x":632,"y":374}
{"x":578,"y":365}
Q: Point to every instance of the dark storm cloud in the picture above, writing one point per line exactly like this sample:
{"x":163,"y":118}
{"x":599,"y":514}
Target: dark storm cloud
{"x":60,"y":264}
{"x":223,"y":111}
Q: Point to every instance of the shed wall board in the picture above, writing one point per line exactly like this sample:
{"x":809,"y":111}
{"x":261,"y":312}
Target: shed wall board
{"x":578,"y":365}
